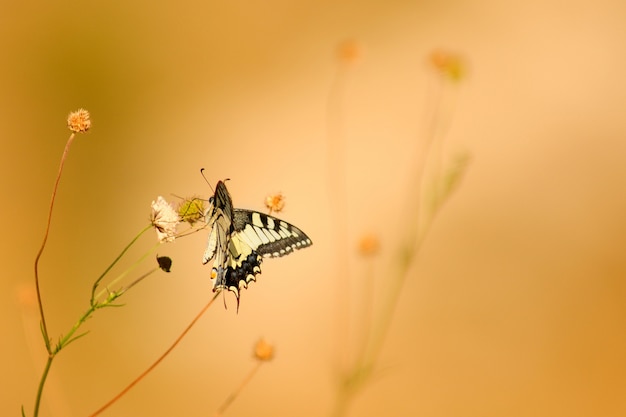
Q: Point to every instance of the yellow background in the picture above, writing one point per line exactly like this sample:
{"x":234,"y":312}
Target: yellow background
{"x":517,"y":305}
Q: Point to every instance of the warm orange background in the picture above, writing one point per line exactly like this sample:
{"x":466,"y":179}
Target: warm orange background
{"x":517,"y":306}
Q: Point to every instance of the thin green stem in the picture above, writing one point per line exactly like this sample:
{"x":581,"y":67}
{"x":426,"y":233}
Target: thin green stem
{"x":423,"y":218}
{"x":106,"y":271}
{"x":67,"y":338}
{"x":93,"y":306}
{"x":44,"y":376}
{"x":44,"y":327}
{"x":128,"y":270}
{"x":365,"y":313}
{"x":64,"y":341}
{"x":380,"y":329}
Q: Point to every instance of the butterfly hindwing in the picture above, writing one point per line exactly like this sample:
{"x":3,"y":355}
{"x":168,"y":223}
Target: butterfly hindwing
{"x":239,"y":240}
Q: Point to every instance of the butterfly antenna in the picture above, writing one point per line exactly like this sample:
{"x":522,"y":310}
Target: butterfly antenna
{"x":205,"y":180}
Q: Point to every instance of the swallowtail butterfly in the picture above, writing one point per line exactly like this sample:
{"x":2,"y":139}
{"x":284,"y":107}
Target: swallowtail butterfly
{"x":239,"y":240}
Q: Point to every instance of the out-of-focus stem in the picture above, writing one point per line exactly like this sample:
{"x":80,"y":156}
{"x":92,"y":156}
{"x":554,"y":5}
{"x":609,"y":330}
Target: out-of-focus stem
{"x":233,"y":395}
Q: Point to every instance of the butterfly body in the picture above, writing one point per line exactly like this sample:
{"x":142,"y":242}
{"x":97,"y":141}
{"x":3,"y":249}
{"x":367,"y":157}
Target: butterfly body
{"x":239,"y":239}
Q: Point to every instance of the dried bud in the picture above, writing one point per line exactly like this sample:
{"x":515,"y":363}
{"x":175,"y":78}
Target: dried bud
{"x":368,"y":245}
{"x":165,"y":263}
{"x":264,"y":351}
{"x":78,"y":121}
{"x":275,"y":202}
{"x":448,"y":64}
{"x":349,"y":51}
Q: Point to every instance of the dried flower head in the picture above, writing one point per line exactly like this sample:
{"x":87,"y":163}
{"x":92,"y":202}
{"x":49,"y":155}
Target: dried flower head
{"x":78,"y":121}
{"x":368,"y":245}
{"x":164,"y":219}
{"x":448,"y":64}
{"x":165,"y":263}
{"x":263,"y":350}
{"x":275,"y":202}
{"x":191,"y":210}
{"x":349,"y":51}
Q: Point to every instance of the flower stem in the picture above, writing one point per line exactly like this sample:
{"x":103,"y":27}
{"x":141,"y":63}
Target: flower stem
{"x":428,"y":166}
{"x":127,"y":271}
{"x":93,"y":306}
{"x":97,"y":282}
{"x":155,"y":363}
{"x":341,"y":403}
{"x":44,"y":376}
{"x":68,"y":337}
{"x":44,"y":327}
{"x":337,"y":186}
{"x":137,"y":281}
{"x":233,"y":395}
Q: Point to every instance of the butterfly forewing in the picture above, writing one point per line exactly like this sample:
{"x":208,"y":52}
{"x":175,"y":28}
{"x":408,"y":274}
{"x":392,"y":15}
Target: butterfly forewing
{"x":239,"y":239}
{"x":220,"y":225}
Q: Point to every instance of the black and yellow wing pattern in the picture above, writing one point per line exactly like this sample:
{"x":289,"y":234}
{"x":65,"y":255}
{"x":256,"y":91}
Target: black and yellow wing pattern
{"x":239,"y":240}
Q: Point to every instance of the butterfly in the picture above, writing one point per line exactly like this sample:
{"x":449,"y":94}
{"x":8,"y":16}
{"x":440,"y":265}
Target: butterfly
{"x":239,"y":239}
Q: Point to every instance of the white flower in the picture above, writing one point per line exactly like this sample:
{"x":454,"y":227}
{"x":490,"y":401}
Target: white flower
{"x":164,"y":219}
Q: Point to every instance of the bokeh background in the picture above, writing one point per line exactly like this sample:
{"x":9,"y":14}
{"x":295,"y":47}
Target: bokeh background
{"x":516,"y":304}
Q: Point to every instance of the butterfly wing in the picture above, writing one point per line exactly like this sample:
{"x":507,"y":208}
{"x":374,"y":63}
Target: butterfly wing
{"x":267,"y":235}
{"x":220,"y":224}
{"x":239,"y":240}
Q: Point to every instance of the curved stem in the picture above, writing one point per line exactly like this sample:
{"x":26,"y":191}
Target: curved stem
{"x":97,"y":282}
{"x":155,"y":363}
{"x":44,"y":327}
{"x":126,"y":272}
